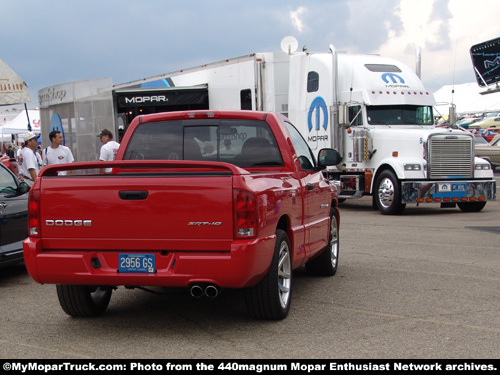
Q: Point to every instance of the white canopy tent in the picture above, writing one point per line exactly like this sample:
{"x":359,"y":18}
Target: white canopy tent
{"x":5,"y":137}
{"x":467,"y":98}
{"x":19,"y":124}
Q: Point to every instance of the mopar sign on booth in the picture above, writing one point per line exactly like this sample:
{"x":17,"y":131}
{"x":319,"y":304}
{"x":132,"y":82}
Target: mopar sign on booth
{"x":81,"y":109}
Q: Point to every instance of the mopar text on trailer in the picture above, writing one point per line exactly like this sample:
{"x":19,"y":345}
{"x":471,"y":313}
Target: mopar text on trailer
{"x":374,"y":110}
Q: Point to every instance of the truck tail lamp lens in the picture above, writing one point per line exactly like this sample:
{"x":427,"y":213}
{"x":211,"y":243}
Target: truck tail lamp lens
{"x":202,"y":114}
{"x":34,"y":213}
{"x":245,"y":214}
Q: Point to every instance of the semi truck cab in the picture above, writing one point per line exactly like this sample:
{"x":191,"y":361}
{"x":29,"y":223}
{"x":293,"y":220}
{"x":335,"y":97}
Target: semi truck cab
{"x":377,"y":113}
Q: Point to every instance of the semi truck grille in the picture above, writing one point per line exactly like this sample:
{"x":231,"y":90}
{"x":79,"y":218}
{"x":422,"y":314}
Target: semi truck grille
{"x":450,"y":156}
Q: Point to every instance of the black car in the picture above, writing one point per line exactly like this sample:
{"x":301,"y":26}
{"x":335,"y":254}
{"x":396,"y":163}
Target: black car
{"x":13,"y":216}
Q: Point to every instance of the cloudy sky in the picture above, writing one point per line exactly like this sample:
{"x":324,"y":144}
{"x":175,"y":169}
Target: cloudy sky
{"x":56,"y":41}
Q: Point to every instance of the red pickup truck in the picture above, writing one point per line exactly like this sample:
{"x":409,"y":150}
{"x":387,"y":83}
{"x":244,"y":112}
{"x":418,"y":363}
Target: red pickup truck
{"x":204,"y":200}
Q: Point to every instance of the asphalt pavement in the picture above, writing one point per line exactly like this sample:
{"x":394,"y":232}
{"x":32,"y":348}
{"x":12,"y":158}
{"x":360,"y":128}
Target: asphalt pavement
{"x":424,"y":284}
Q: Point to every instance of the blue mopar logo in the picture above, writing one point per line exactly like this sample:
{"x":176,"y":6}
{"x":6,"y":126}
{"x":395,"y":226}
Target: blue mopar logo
{"x":393,"y":77}
{"x":318,"y":105}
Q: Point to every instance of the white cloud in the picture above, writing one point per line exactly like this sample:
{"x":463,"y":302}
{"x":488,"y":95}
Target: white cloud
{"x":445,"y":30}
{"x":296,"y":21}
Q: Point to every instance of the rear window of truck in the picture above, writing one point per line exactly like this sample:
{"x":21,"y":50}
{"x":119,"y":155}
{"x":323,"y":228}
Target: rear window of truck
{"x":245,"y":143}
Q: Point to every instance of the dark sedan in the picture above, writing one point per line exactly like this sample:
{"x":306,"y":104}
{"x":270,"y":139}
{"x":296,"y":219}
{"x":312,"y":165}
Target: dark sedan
{"x":13,"y":216}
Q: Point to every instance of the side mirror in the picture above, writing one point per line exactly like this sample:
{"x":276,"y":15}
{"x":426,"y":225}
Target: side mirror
{"x":328,"y":157}
{"x":23,"y":188}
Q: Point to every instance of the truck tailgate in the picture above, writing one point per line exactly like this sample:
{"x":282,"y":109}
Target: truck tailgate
{"x":161,"y":212}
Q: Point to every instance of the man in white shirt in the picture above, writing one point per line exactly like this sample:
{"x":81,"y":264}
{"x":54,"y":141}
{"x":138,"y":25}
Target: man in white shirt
{"x":227,"y":150}
{"x":28,"y":163}
{"x":56,"y":153}
{"x":109,"y":149}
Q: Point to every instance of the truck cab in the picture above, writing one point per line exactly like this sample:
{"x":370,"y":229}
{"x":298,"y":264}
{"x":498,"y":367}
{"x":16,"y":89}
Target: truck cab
{"x":377,"y":113}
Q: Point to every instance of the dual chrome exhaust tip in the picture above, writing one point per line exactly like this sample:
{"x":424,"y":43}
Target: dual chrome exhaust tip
{"x":208,"y":290}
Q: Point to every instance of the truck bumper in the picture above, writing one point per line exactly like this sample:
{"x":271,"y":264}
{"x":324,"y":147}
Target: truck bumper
{"x":448,"y":191}
{"x":243,"y":266}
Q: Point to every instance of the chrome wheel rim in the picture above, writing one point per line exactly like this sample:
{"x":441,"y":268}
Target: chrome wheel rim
{"x":386,"y":192}
{"x":334,"y":242}
{"x":284,"y":274}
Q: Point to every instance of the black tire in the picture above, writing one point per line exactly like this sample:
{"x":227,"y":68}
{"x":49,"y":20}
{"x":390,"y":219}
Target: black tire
{"x":471,"y":206}
{"x":327,"y":263}
{"x":84,"y":301}
{"x":387,"y":194}
{"x":270,"y":299}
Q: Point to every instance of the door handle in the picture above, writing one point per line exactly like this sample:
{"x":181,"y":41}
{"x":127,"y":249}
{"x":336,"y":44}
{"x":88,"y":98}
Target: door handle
{"x":310,"y":186}
{"x":133,"y":195}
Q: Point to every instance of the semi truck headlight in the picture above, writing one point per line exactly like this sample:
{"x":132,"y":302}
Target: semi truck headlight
{"x":482,"y":166}
{"x":412,"y":167}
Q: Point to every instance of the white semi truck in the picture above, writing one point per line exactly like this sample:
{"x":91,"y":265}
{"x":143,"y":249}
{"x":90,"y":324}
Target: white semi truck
{"x":374,"y":110}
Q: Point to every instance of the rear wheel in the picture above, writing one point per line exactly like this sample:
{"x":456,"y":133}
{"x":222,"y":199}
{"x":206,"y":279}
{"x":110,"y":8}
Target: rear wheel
{"x":270,"y":299}
{"x":327,"y":262}
{"x":471,"y":206}
{"x":82,"y":300}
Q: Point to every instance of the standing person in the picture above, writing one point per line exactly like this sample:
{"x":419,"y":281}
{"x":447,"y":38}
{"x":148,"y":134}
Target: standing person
{"x":38,"y":154}
{"x":10,"y":152}
{"x":56,"y":153}
{"x":18,"y":152}
{"x":108,"y":149}
{"x":28,"y":162}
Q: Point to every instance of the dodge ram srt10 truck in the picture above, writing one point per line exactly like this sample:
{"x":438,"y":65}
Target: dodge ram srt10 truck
{"x":203,"y":200}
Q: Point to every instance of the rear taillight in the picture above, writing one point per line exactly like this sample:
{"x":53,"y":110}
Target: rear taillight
{"x":245,"y":214}
{"x":202,"y":115}
{"x":34,"y":213}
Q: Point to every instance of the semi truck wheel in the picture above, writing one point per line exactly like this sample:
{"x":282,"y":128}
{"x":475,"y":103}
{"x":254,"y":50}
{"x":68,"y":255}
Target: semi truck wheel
{"x":388,"y":194}
{"x":327,"y":262}
{"x":83,"y":301}
{"x":270,"y":298}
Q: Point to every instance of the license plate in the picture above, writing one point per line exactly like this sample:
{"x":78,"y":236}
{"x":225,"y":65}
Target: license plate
{"x":452,"y":187}
{"x":462,"y":187}
{"x":141,"y":263}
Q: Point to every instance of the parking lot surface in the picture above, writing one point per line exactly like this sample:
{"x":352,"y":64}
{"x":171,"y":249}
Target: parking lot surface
{"x":424,"y":284}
